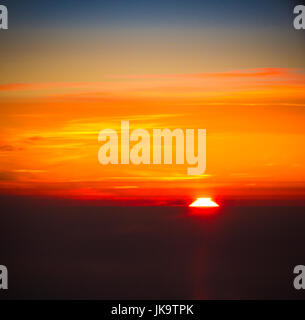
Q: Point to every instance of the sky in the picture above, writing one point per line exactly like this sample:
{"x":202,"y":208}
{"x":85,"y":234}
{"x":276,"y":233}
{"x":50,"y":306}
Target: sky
{"x":138,"y":13}
{"x":70,"y":69}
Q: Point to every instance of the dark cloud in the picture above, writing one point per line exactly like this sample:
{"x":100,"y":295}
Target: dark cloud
{"x":9,"y":148}
{"x":6,"y":147}
{"x":7,"y":176}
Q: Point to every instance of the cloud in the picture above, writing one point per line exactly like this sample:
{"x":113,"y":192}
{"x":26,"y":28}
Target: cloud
{"x":249,"y":73}
{"x":29,"y":171}
{"x":254,"y":73}
{"x":45,"y":86}
{"x":6,"y":147}
{"x":9,"y":148}
{"x":7,"y":176}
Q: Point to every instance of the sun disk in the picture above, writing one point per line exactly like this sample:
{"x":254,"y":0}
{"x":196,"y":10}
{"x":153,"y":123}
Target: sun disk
{"x":204,"y":202}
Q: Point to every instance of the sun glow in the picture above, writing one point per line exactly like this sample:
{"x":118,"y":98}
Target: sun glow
{"x":204,"y":202}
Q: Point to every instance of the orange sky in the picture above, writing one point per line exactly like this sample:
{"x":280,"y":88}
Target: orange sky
{"x":254,"y":120}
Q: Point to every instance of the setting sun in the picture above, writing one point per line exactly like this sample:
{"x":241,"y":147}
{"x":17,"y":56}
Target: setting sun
{"x":204,"y":202}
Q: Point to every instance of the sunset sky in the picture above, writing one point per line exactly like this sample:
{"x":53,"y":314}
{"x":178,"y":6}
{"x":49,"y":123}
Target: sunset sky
{"x":70,"y":69}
